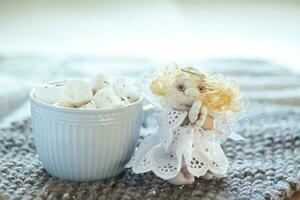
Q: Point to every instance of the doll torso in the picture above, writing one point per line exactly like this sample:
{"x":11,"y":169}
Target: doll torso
{"x":177,"y":144}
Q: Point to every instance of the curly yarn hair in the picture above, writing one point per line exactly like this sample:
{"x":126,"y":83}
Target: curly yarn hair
{"x":221,"y":94}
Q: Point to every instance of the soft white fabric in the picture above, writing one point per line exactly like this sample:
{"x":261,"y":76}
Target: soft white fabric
{"x":163,"y":152}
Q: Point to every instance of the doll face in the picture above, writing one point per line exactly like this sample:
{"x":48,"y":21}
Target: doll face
{"x":185,"y":89}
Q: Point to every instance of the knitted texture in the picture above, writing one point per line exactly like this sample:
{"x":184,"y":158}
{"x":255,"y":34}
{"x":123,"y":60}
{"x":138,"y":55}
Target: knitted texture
{"x":266,"y":166}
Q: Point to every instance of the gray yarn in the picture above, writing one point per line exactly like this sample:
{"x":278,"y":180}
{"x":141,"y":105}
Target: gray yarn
{"x":267,"y":166}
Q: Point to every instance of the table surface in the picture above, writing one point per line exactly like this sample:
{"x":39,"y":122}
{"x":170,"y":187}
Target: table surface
{"x":264,"y":83}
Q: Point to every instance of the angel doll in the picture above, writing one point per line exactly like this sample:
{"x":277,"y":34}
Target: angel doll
{"x":196,"y":113}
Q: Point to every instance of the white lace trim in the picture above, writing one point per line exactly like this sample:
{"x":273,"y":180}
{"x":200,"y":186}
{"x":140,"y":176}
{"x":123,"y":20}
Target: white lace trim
{"x":200,"y":150}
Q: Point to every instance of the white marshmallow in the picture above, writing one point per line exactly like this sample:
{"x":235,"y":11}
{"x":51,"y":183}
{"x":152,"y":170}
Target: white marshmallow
{"x":89,"y":105}
{"x":98,"y":82}
{"x":63,"y":103}
{"x":124,"y":89}
{"x":106,"y":98}
{"x":77,"y":92}
{"x":48,"y":93}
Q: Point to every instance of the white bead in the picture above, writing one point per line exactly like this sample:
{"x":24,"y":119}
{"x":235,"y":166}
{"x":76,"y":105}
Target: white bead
{"x":124,"y":89}
{"x":106,"y":98}
{"x":98,"y":82}
{"x":48,"y":93}
{"x":77,"y":92}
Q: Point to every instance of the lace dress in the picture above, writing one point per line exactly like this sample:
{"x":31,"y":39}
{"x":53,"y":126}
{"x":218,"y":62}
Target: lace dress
{"x":176,"y":145}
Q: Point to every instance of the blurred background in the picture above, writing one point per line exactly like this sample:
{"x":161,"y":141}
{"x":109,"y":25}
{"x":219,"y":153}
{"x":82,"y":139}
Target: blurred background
{"x":160,"y":30}
{"x":51,"y":40}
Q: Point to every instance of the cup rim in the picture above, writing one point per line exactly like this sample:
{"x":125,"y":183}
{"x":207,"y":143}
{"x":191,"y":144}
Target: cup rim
{"x":72,"y":110}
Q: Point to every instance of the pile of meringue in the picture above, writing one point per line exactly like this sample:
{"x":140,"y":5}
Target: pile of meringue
{"x":97,"y":93}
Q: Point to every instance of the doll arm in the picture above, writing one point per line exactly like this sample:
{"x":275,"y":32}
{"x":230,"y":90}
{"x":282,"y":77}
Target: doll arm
{"x":209,"y":122}
{"x":194,"y":111}
{"x":203,"y":116}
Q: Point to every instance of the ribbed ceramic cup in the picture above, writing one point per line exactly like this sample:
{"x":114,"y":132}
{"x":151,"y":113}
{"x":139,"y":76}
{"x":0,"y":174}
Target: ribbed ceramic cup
{"x":85,"y":145}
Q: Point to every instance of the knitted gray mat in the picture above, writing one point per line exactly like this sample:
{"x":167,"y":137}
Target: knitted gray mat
{"x":266,"y":166}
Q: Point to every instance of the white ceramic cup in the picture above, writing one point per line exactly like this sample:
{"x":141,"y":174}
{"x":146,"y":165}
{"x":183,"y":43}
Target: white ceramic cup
{"x":85,"y":145}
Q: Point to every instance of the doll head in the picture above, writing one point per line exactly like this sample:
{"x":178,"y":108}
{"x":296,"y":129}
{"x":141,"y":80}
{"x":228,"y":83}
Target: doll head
{"x":179,"y":88}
